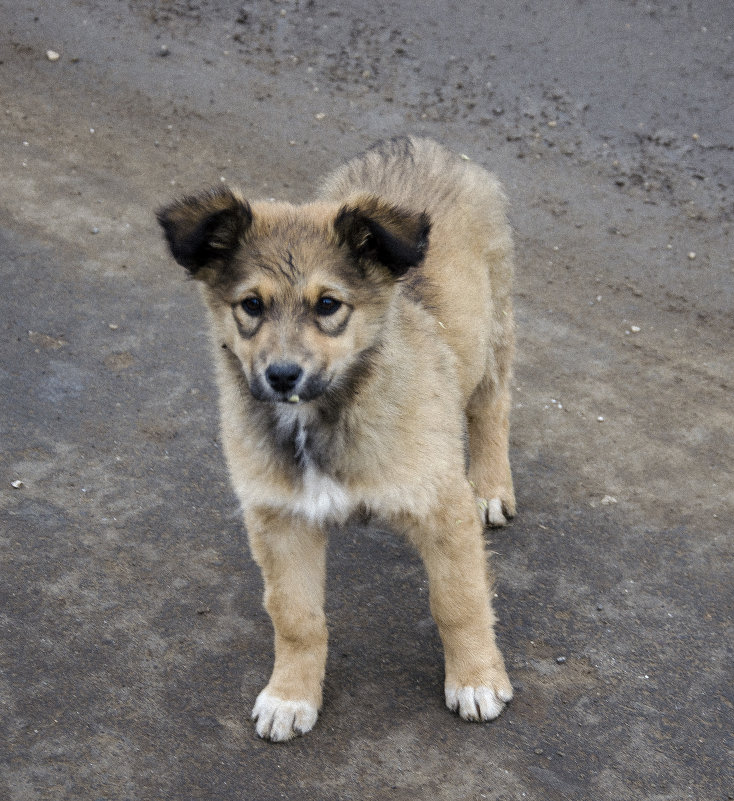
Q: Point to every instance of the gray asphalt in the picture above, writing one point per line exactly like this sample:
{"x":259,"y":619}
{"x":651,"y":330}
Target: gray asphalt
{"x":133,"y":639}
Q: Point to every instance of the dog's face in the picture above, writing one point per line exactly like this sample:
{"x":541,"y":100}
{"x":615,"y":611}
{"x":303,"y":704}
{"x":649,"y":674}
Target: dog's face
{"x":299,"y":293}
{"x":302,"y":315}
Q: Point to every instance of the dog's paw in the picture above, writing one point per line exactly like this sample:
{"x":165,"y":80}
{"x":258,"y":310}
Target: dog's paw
{"x":280,"y":720}
{"x":495,"y":512}
{"x":478,"y":703}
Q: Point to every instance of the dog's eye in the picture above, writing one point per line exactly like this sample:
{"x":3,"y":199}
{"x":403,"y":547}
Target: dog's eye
{"x":326,"y":306}
{"x":253,"y":306}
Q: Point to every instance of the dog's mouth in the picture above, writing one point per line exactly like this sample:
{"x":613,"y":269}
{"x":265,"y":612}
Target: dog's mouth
{"x":287,"y":384}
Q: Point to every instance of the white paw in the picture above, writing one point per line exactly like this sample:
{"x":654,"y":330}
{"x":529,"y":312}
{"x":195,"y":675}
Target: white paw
{"x":495,"y":517}
{"x":477,"y":703}
{"x":280,"y":720}
{"x":491,"y":512}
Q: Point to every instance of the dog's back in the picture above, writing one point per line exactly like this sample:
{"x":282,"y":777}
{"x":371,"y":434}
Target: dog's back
{"x":466,"y":278}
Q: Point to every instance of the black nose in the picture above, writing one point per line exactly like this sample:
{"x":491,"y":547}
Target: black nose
{"x":283,"y":376}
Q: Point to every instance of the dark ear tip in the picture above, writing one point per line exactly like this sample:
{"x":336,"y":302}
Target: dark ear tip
{"x":215,"y":199}
{"x":164,"y":218}
{"x":379,"y":232}
{"x":206,"y":227}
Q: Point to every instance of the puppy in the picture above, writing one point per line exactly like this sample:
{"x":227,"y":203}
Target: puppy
{"x":363,"y":344}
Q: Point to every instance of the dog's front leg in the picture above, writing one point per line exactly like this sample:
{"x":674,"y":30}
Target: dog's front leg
{"x":451,"y":544}
{"x":292,"y":557}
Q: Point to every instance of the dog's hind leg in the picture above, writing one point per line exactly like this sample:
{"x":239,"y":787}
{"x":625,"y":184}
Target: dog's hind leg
{"x":292,"y":557}
{"x":488,"y":422}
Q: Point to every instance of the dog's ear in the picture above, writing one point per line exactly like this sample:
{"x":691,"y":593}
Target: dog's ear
{"x":204,"y":230}
{"x":376,"y":231}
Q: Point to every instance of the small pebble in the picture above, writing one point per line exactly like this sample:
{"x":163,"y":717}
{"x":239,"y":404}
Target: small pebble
{"x":17,"y":484}
{"x":561,"y":660}
{"x":52,"y":55}
{"x":635,"y":329}
{"x":94,"y":230}
{"x":163,"y":51}
{"x":320,"y":115}
{"x":691,"y":255}
{"x":600,"y":419}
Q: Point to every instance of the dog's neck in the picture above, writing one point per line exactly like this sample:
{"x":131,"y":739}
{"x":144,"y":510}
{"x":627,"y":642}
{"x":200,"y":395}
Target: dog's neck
{"x":324,"y":433}
{"x":309,"y":434}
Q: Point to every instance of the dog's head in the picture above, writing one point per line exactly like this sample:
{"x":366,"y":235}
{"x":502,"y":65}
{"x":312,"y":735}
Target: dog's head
{"x":299,"y":294}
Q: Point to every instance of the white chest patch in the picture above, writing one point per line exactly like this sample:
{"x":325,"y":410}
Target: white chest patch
{"x":322,"y":498}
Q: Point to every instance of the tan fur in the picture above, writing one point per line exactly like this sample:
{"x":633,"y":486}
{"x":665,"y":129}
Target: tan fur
{"x":414,"y":361}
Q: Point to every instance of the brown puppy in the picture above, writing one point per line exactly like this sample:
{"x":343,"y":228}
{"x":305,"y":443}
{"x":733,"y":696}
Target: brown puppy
{"x":363,"y":346}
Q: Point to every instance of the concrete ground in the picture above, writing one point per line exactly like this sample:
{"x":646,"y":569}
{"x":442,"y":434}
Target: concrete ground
{"x":133,"y":641}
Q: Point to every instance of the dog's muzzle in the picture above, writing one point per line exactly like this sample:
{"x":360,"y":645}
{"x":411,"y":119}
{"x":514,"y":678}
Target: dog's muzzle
{"x":287,"y":382}
{"x":283,"y":378}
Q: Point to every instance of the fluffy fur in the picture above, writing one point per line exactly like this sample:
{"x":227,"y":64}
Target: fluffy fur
{"x":363,"y":345}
